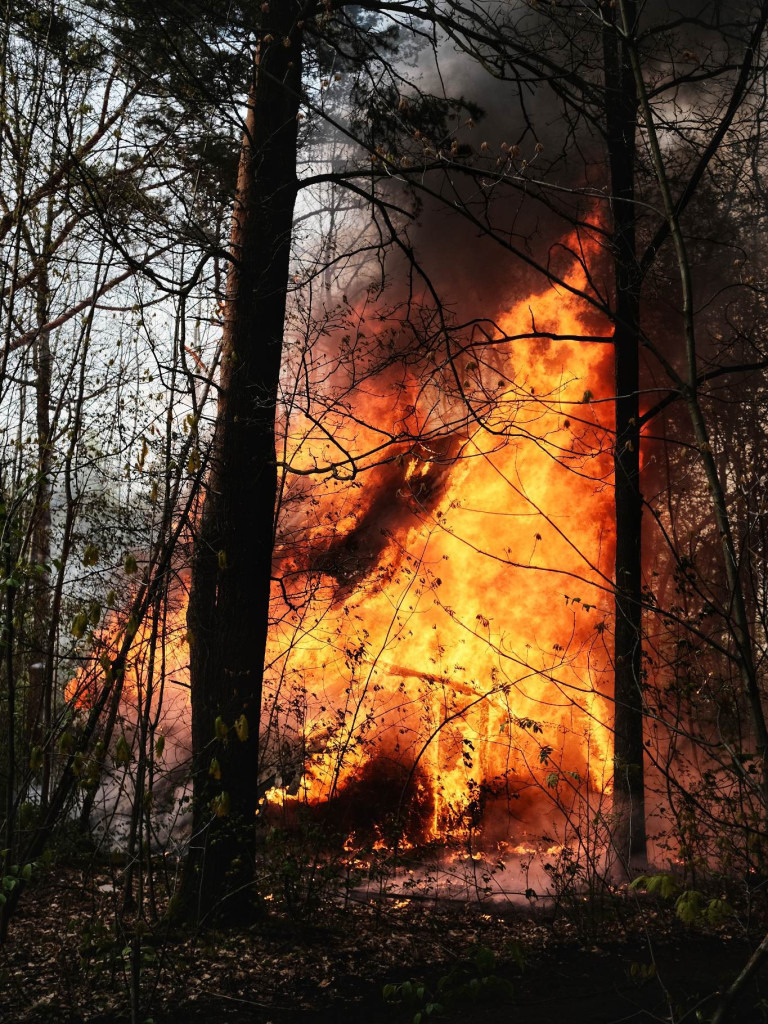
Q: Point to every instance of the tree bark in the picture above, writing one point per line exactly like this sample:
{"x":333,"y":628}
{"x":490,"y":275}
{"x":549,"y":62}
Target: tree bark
{"x":40,"y":707}
{"x":629,"y":783}
{"x":228,"y":612}
{"x":738,"y":619}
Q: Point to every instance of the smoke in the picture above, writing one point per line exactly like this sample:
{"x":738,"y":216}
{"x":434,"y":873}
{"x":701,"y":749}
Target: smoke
{"x":166,"y":791}
{"x":392,"y":502}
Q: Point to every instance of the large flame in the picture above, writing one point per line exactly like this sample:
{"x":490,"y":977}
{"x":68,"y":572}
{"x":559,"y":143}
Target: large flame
{"x":452,"y":625}
{"x":441,"y":644}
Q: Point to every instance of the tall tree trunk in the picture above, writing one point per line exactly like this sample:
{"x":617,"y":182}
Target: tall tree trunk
{"x":629,"y":782}
{"x":738,"y":617}
{"x":228,"y":612}
{"x":7,"y":646}
{"x":40,"y":707}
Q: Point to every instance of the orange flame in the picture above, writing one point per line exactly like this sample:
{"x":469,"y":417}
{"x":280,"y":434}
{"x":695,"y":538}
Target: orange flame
{"x":446,"y":644}
{"x":470,"y":649}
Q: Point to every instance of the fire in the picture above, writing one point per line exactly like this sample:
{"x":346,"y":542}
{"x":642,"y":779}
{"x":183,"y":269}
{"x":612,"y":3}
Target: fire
{"x":441,"y":653}
{"x":170,"y":660}
{"x":454,"y":619}
{"x":155,"y":681}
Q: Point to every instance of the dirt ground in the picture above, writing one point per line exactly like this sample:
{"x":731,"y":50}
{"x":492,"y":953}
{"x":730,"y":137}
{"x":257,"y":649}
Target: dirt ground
{"x":570,"y":985}
{"x":67,"y":960}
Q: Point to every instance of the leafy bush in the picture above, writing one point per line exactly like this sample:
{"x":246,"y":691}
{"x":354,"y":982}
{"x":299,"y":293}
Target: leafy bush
{"x":470,"y":981}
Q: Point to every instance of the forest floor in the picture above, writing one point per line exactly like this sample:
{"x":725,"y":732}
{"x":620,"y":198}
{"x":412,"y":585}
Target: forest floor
{"x":66,"y":961}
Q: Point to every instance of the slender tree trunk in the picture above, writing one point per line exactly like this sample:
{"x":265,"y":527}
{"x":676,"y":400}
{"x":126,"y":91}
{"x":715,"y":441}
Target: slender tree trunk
{"x":738,"y":620}
{"x":232,"y":565}
{"x":134,"y":865}
{"x":40,"y":707}
{"x":725,"y":1006}
{"x":8,"y":641}
{"x":629,"y":784}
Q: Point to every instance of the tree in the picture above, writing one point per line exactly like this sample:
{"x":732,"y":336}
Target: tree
{"x":232,"y":570}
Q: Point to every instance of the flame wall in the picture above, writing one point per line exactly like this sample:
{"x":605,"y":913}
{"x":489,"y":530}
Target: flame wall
{"x":451,"y":620}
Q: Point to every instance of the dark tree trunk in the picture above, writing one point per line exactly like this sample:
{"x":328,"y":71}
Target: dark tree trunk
{"x":232,"y":565}
{"x":629,"y":783}
{"x":40,"y":706}
{"x":9,"y":791}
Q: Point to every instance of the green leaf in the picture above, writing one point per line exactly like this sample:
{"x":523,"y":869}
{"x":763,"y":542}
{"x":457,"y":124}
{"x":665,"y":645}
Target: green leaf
{"x":91,"y":554}
{"x":689,"y":906}
{"x":122,"y":751}
{"x":662,"y":885}
{"x":79,"y":625}
{"x":718,"y":912}
{"x":220,"y":805}
{"x":485,"y":960}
